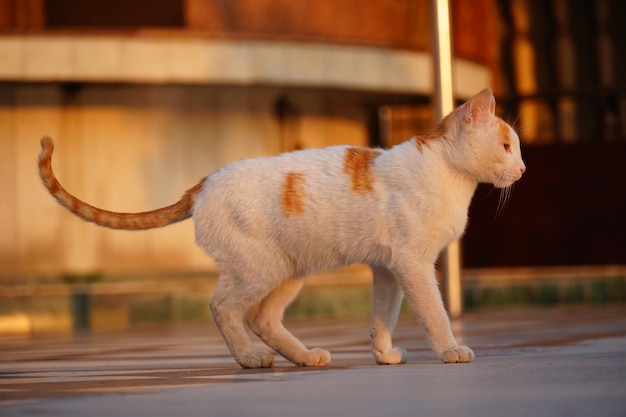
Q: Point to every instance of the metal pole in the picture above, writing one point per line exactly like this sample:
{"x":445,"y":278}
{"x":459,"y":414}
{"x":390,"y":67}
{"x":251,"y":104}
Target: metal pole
{"x":451,"y":259}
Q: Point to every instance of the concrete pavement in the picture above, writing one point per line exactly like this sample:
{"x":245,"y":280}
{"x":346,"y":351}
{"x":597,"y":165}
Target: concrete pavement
{"x":530,"y":362}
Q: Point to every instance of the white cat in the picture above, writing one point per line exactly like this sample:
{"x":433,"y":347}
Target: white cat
{"x":268,"y":222}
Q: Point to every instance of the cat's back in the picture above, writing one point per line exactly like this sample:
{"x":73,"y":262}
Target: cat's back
{"x":331,"y":168}
{"x":302,"y":185}
{"x":312,"y":160}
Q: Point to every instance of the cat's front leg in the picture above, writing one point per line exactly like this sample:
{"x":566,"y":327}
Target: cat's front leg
{"x":387,"y":299}
{"x":457,"y":354}
{"x":420,"y":287}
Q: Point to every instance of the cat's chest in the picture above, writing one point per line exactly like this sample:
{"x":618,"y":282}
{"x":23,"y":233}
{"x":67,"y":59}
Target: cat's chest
{"x":449,"y":217}
{"x":434,"y":214}
{"x":456,"y":222}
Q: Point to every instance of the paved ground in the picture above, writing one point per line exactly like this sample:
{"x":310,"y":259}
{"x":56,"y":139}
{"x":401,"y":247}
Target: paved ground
{"x":530,"y":362}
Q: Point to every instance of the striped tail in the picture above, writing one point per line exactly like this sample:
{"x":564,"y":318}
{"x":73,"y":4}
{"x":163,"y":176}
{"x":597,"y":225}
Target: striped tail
{"x":177,"y":212}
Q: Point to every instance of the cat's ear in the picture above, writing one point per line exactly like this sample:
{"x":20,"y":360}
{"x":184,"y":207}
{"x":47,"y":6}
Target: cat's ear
{"x":479,"y":108}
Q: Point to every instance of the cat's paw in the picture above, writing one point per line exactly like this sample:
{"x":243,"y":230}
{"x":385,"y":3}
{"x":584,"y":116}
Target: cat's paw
{"x":314,"y":357}
{"x":394,"y":356}
{"x":258,"y":359}
{"x":457,"y":354}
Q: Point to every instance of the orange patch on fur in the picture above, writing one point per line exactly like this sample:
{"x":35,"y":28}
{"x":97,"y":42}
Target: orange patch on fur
{"x":436,"y":133}
{"x":358,"y":163}
{"x":504,"y":132}
{"x":293,"y":193}
{"x":420,"y":141}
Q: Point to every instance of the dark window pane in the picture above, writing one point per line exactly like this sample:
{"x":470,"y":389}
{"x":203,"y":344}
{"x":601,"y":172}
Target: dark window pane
{"x":114,"y":13}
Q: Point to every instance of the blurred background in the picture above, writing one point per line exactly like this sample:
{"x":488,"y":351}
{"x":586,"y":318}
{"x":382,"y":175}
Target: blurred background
{"x":143,"y":98}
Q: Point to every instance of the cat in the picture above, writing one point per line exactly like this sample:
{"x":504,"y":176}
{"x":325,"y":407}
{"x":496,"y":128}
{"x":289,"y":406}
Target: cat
{"x":268,"y":222}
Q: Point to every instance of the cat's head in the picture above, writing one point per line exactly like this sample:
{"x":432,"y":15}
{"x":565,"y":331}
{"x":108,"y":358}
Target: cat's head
{"x":485,"y":146}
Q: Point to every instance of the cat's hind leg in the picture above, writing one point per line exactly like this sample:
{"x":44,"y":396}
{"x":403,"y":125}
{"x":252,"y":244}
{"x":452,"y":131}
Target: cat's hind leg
{"x":229,"y":305}
{"x":265,"y":319}
{"x":387,"y":299}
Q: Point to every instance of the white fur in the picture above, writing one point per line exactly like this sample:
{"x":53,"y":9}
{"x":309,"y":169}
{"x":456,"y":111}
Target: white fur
{"x":418,"y":204}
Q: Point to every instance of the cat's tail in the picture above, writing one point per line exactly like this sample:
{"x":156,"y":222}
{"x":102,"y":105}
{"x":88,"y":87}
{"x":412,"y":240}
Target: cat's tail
{"x":178,"y":211}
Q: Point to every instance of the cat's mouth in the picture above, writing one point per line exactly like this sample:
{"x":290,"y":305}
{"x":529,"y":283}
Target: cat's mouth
{"x":505,"y":180}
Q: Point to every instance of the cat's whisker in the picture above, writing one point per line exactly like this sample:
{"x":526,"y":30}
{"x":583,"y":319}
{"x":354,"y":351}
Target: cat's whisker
{"x":490,"y":191}
{"x":509,"y":191}
{"x":505,"y":196}
{"x":517,"y":126}
{"x":501,"y":202}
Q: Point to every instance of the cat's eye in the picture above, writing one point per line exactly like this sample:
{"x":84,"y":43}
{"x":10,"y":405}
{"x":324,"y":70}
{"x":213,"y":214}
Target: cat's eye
{"x":507,"y":147}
